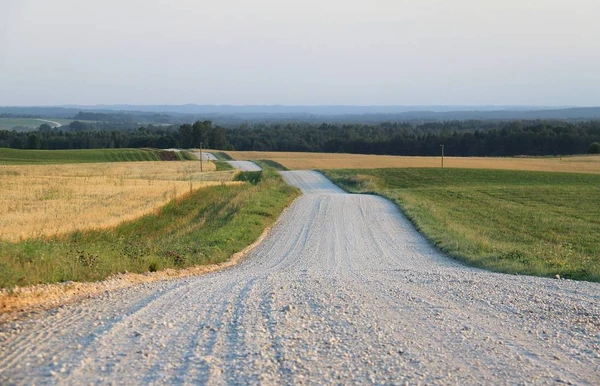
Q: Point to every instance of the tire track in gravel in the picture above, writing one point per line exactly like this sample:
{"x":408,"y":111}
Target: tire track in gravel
{"x":343,"y":290}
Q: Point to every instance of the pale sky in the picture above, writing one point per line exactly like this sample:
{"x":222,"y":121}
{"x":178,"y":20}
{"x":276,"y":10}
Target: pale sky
{"x":292,"y":52}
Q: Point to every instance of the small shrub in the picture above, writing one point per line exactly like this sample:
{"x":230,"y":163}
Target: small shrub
{"x":359,"y":182}
{"x":514,"y":255}
{"x":178,"y":258}
{"x":135,"y":250}
{"x":88,"y":260}
{"x":252,"y":177}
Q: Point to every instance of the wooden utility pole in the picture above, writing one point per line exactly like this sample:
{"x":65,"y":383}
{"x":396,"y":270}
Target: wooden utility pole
{"x":442,"y":146}
{"x":201,"y":157}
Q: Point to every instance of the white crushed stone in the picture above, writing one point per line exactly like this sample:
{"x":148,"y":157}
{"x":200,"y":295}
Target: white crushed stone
{"x":343,"y":290}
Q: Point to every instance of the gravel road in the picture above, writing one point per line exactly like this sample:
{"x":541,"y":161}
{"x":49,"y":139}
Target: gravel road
{"x":207,"y":156}
{"x":245,"y":166}
{"x":344,"y":290}
{"x":53,"y":123}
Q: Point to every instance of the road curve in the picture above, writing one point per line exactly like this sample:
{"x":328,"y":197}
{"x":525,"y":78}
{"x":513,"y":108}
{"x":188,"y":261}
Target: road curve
{"x":205,"y":156}
{"x":208,"y":156}
{"x":311,"y":182}
{"x":55,"y":124}
{"x":245,"y":166}
{"x":344,"y":290}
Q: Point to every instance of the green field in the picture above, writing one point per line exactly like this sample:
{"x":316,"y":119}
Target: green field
{"x":24,"y":157}
{"x":28,"y":124}
{"x":205,"y":227}
{"x":522,"y":222}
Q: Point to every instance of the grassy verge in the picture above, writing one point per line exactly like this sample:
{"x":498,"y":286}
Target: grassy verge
{"x":165,"y":155}
{"x":510,"y":221}
{"x":204,"y":227}
{"x":266,"y":163}
{"x":222,"y":156}
{"x":24,"y":157}
{"x":222,"y":166}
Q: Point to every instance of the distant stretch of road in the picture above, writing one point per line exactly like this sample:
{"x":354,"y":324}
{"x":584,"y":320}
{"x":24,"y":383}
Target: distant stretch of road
{"x":208,"y":156}
{"x":55,"y":124}
{"x":245,"y":166}
{"x":205,"y":156}
{"x":344,"y":290}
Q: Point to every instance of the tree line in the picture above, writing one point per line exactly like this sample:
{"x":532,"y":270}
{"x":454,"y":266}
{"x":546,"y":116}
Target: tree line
{"x":81,"y":135}
{"x":460,"y":138}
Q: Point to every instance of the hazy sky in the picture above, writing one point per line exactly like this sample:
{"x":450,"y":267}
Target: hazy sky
{"x":392,"y":52}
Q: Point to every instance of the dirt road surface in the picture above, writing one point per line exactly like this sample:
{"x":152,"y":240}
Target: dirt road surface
{"x":53,"y":123}
{"x":206,"y":156}
{"x":344,"y":290}
{"x":245,"y":166}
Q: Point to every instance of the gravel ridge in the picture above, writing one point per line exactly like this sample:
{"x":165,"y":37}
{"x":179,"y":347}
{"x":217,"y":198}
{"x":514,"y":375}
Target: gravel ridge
{"x":343,"y":290}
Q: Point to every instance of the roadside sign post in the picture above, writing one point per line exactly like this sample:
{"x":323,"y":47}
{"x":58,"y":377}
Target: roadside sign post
{"x":201,"y":156}
{"x":442,"y":146}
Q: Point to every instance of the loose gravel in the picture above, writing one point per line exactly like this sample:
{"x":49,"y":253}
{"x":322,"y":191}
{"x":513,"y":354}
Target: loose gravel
{"x":245,"y":166}
{"x":205,"y":156}
{"x":343,"y":290}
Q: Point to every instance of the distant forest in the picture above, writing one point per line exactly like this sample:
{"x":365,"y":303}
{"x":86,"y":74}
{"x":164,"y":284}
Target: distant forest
{"x":460,"y":138}
{"x":234,"y":116}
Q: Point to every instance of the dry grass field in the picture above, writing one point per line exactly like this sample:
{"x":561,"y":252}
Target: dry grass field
{"x":296,"y":161}
{"x":46,"y":200}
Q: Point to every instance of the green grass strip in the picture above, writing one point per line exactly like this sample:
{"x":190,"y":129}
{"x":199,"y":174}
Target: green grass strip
{"x":222,"y":166}
{"x":520,"y":222}
{"x":267,"y":163}
{"x":222,"y":156}
{"x":24,"y":157}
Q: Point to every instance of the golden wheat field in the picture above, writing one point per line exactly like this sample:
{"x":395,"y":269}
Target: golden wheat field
{"x":46,"y":200}
{"x":296,"y":161}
